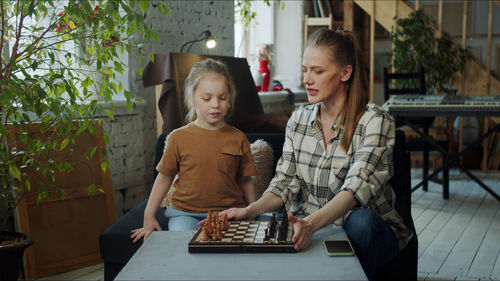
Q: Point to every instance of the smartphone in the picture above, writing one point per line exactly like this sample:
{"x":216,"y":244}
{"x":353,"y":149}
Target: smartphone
{"x":338,"y":248}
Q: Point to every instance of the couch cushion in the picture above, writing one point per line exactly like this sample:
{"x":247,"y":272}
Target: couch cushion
{"x":263,"y":157}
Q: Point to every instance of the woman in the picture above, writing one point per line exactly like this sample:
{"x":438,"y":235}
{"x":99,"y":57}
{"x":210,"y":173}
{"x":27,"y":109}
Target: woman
{"x":337,"y":157}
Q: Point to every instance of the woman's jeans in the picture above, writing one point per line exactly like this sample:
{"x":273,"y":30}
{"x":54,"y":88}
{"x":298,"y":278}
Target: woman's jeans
{"x":372,"y":239}
{"x":179,"y":220}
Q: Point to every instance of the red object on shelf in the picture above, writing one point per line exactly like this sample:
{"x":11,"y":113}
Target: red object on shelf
{"x":264,"y":70}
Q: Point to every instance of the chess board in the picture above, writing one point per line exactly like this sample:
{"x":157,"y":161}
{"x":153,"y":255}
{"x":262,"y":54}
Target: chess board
{"x":243,"y":237}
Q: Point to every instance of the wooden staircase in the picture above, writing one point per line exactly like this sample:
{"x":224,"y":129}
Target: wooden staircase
{"x":477,"y":77}
{"x":476,"y":74}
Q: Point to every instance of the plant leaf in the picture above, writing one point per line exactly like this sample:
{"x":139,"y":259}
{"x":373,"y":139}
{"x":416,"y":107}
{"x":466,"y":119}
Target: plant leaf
{"x":109,"y":114}
{"x":144,"y":4}
{"x":14,"y":171}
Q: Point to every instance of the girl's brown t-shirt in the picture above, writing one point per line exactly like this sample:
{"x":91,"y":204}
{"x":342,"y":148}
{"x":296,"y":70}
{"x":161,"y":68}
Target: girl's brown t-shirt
{"x":209,"y":164}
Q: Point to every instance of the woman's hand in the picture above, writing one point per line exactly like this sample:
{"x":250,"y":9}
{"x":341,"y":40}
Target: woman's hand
{"x":149,"y":226}
{"x":237,"y":214}
{"x":303,"y":232}
{"x":232,"y":214}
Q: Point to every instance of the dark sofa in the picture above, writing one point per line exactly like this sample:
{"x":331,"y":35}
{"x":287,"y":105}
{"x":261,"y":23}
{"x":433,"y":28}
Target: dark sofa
{"x":117,"y":248}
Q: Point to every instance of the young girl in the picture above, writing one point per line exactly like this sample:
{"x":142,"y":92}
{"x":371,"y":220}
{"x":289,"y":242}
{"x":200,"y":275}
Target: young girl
{"x":212,"y":159}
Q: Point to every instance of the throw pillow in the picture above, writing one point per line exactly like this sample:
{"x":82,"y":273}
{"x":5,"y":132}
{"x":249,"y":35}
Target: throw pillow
{"x":264,"y":158}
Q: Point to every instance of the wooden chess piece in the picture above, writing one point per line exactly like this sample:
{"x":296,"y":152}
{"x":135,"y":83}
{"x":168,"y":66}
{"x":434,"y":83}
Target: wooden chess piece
{"x":214,"y":215}
{"x":215,"y":233}
{"x":282,"y":231}
{"x":218,"y":232}
{"x":216,"y":219}
{"x":208,"y":224}
{"x":205,"y":235}
{"x":272,"y":226}
{"x":225,"y":223}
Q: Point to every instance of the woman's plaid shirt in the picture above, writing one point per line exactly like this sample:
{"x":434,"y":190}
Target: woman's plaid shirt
{"x":308,"y":176}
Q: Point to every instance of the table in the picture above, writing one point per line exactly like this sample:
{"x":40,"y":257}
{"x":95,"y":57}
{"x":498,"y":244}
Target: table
{"x":433,"y":105}
{"x":165,"y":257}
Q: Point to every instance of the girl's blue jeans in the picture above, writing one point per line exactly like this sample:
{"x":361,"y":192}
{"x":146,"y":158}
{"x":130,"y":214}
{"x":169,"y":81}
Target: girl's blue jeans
{"x":180,"y":220}
{"x":372,"y":239}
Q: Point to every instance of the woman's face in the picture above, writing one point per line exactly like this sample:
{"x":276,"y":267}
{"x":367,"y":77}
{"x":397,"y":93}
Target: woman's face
{"x":322,"y":77}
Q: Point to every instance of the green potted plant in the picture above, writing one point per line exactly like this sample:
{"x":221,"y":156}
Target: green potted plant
{"x":58,"y":69}
{"x":416,"y":44}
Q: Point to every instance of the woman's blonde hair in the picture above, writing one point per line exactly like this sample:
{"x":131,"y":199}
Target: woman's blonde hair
{"x":195,"y":75}
{"x":344,"y":50}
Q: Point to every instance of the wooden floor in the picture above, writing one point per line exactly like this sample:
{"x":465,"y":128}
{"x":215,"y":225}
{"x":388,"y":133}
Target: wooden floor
{"x":94,"y":272}
{"x":459,"y":238}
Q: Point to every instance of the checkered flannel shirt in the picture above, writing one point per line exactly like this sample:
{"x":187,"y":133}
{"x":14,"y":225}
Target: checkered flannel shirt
{"x":308,"y":177}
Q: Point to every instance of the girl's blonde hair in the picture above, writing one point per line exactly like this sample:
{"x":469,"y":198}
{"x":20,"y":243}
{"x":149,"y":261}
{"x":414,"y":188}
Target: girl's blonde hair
{"x":344,"y":50}
{"x":195,"y":75}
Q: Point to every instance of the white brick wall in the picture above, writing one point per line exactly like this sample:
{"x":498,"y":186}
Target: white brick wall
{"x":133,"y":135}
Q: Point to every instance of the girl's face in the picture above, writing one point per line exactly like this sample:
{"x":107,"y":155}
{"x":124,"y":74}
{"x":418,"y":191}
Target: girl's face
{"x":322,"y":77}
{"x":211,"y":101}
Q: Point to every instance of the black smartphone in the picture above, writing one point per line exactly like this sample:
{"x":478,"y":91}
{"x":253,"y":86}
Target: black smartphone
{"x":338,"y":248}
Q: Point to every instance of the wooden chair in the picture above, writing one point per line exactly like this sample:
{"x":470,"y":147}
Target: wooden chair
{"x":413,"y":83}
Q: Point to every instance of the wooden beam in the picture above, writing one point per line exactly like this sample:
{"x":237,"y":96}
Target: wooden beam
{"x":349,"y":15}
{"x":386,"y":12}
{"x":440,"y":18}
{"x":462,"y":79}
{"x":486,"y":146}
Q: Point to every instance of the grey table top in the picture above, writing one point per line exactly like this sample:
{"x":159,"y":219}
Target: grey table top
{"x":165,"y":256}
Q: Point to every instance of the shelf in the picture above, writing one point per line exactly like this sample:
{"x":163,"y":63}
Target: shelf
{"x":315,"y":21}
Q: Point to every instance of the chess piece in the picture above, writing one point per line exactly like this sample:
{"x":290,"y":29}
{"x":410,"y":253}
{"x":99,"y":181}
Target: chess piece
{"x":208,"y":224}
{"x":284,"y":220}
{"x":272,"y":226}
{"x":216,"y":220}
{"x":205,"y":235}
{"x":284,"y":216}
{"x":282,"y":231}
{"x":218,"y":232}
{"x":225,"y":223}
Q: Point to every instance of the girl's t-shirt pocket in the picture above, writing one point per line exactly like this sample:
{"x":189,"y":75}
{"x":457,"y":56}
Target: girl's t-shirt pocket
{"x":229,"y":159}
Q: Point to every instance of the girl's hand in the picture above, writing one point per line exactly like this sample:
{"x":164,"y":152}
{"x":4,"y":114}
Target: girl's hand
{"x":149,"y":226}
{"x":303,"y":232}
